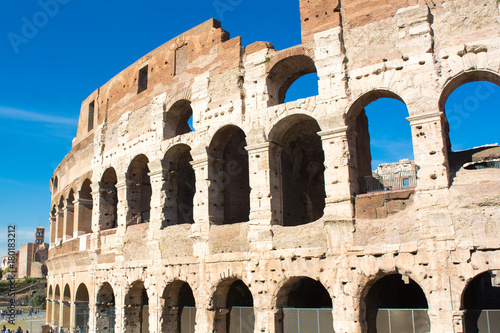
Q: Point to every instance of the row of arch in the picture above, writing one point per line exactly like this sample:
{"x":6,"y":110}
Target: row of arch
{"x":233,"y":304}
{"x":300,"y":164}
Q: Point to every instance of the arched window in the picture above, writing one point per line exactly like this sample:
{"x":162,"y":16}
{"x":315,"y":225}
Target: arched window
{"x":468,"y":100}
{"x":60,"y":220}
{"x":105,"y":308}
{"x":109,"y":200}
{"x":480,"y":300}
{"x":301,"y":169}
{"x":69,"y":218}
{"x":85,"y":205}
{"x":284,"y":73}
{"x":57,"y":305}
{"x":82,"y":310}
{"x":66,"y":308}
{"x":306,"y":306}
{"x":234,"y":297}
{"x":50,"y":305}
{"x":178,"y":119}
{"x":137,"y":300}
{"x":139,"y":191}
{"x":179,"y":310}
{"x":396,"y":303}
{"x":229,"y":178}
{"x":181,"y":185}
{"x":303,"y":87}
{"x":381,"y":143}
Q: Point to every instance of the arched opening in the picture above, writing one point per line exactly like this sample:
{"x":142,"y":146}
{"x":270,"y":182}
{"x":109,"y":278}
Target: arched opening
{"x":181,"y":185}
{"x":396,"y":303}
{"x":303,"y":87}
{"x":179,"y":308}
{"x":138,"y":191}
{"x":234,"y":303}
{"x":229,"y":178}
{"x":481,"y":302}
{"x":381,"y":143}
{"x":284,"y":73}
{"x":60,"y":220}
{"x":105,"y":309}
{"x":85,"y":204}
{"x":137,"y":309}
{"x":108,"y":204}
{"x":53,"y":225}
{"x":69,"y":216}
{"x":82,"y":310}
{"x":306,"y":307}
{"x":300,"y":169}
{"x":50,"y":304}
{"x":66,"y":308}
{"x":467,"y":100}
{"x":178,"y":119}
{"x":57,"y":305}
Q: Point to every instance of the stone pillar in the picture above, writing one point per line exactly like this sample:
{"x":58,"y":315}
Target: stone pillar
{"x":345,"y":311}
{"x":83,"y":213}
{"x":60,"y":225}
{"x":68,"y":220}
{"x":53,"y":227}
{"x":337,"y":174}
{"x":122,"y":209}
{"x":157,"y":180}
{"x":431,"y":195}
{"x":262,"y":196}
{"x":201,"y":211}
{"x":154,"y":309}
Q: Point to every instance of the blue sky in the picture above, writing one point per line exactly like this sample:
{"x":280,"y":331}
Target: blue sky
{"x":54,"y":56}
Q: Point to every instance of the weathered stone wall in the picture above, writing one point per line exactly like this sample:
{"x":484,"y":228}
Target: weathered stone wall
{"x":440,"y":235}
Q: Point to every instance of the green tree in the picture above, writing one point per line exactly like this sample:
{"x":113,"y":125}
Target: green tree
{"x":39,"y":299}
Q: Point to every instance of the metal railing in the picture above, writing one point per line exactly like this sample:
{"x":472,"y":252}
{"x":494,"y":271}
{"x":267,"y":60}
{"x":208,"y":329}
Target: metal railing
{"x":241,"y":319}
{"x":388,"y":182}
{"x":310,"y":320}
{"x":482,"y":321}
{"x":403,"y":320}
{"x":188,"y":319}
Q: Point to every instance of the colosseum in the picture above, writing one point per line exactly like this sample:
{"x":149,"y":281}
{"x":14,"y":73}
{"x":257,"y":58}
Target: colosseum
{"x":263,"y":218}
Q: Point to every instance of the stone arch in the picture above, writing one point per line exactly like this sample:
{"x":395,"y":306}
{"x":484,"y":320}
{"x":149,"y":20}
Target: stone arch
{"x":178,"y":308}
{"x":303,"y":297}
{"x":108,"y":203}
{"x":85,"y":206}
{"x":229,"y":176}
{"x":481,"y":302}
{"x":105,"y":308}
{"x":60,"y":219}
{"x":181,"y":185}
{"x":138,"y":191}
{"x":176,"y":118}
{"x":57,"y":305}
{"x":66,"y":307}
{"x":300,"y":167}
{"x":137,"y":308}
{"x":360,"y":147}
{"x":284,"y":69}
{"x":69,"y":215}
{"x":50,"y":305}
{"x":233,"y":302}
{"x":453,"y":120}
{"x":82,"y":309}
{"x":397,"y":298}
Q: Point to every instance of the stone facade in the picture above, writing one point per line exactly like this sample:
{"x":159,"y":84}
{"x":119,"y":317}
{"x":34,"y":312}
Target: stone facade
{"x":258,"y":207}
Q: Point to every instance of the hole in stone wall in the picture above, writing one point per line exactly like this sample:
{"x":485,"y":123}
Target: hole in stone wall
{"x":143,"y":79}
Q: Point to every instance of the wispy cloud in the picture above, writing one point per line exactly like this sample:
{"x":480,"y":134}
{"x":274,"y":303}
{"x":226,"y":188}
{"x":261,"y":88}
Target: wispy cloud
{"x":17,"y":114}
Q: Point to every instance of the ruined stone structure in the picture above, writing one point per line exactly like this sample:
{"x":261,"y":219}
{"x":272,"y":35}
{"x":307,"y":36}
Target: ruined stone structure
{"x":262,"y":211}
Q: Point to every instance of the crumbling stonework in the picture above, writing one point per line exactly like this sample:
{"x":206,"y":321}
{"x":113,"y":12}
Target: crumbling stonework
{"x":157,"y":228}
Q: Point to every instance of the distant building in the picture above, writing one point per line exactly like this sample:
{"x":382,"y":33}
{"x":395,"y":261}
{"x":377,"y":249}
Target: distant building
{"x":31,"y":257}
